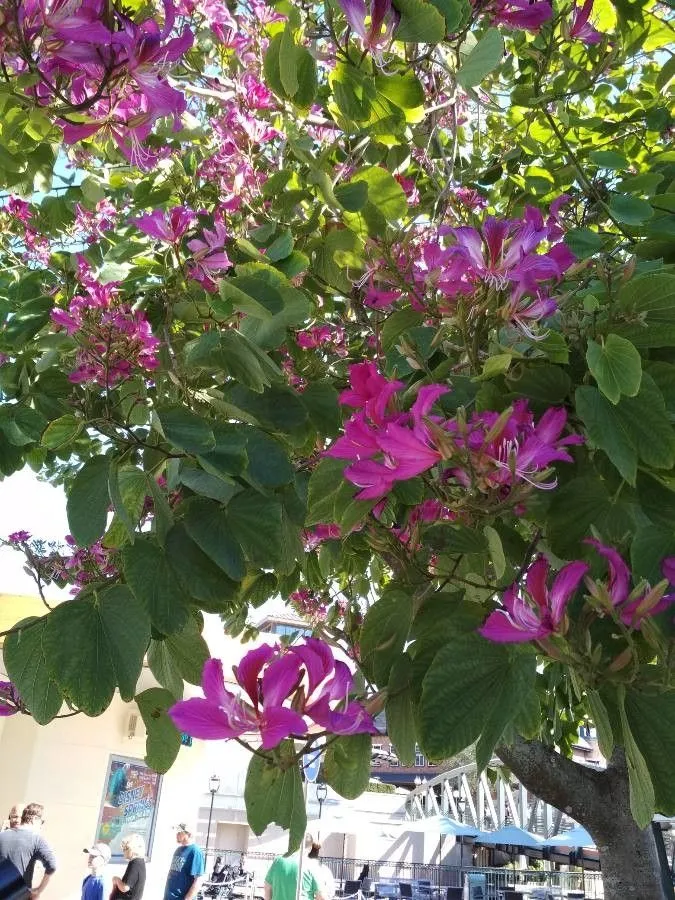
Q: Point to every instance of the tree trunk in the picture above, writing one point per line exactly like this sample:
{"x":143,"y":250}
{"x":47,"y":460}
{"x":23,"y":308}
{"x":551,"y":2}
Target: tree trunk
{"x":599,"y":800}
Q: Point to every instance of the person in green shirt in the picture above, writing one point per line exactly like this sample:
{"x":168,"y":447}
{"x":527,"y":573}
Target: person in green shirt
{"x":281,"y":881}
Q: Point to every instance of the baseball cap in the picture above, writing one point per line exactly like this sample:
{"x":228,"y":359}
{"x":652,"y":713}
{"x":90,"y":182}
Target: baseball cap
{"x":102,"y":850}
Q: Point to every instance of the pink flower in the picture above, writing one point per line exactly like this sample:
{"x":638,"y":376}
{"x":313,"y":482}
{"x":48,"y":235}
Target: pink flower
{"x":383,"y":19}
{"x":209,"y":256}
{"x":19,"y":537}
{"x":632,"y":608}
{"x":279,"y":690}
{"x":369,"y":390}
{"x":537,"y":612}
{"x":519,"y":13}
{"x":165,"y":227}
{"x":581,"y":29}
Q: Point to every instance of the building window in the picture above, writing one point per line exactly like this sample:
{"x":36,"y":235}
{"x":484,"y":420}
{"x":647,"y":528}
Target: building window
{"x":420,"y":759}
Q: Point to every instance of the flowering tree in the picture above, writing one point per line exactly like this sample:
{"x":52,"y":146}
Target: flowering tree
{"x":370,"y":307}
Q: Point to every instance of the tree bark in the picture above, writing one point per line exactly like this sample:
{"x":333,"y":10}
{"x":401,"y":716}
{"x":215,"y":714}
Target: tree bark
{"x":599,"y":800}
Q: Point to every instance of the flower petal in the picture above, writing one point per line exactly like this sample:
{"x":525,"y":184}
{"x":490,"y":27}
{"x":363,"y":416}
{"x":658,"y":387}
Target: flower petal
{"x":213,"y":682}
{"x":619,"y":573}
{"x":249,"y":668}
{"x":537,"y":576}
{"x":500,"y":628}
{"x":280,"y":679}
{"x":277,"y":723}
{"x":565,"y":584}
{"x":207,"y":721}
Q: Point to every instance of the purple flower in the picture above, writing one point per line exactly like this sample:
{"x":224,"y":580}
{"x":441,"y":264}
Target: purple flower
{"x":165,"y":227}
{"x":19,"y":537}
{"x":383,"y":19}
{"x":9,"y":699}
{"x":209,"y":256}
{"x":537,"y":612}
{"x":581,"y":29}
{"x":279,"y":690}
{"x":519,"y":13}
{"x":634,"y":606}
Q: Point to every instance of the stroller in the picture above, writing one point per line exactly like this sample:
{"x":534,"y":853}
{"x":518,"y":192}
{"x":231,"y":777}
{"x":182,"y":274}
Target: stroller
{"x":226,"y":882}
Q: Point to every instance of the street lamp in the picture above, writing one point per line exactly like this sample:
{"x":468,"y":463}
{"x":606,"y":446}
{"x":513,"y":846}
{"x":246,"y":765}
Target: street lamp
{"x":460,"y":803}
{"x":321,"y":794}
{"x":214,"y":784}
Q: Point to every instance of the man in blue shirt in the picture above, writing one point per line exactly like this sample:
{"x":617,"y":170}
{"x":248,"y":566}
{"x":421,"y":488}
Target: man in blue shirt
{"x":97,"y":885}
{"x":187,"y":867}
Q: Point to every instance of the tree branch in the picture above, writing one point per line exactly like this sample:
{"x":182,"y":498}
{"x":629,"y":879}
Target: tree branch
{"x":573,"y":788}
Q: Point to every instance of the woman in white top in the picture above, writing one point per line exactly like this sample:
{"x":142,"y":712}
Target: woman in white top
{"x":323,"y":874}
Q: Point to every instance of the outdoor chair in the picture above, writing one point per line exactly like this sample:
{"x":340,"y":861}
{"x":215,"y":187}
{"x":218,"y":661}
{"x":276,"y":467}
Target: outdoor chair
{"x":367,"y":886}
{"x":351,"y":888}
{"x":406,"y":890}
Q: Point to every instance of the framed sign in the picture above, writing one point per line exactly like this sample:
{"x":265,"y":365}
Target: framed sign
{"x":129,"y":805}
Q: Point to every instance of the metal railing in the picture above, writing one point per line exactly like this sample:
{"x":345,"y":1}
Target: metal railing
{"x":440,"y":876}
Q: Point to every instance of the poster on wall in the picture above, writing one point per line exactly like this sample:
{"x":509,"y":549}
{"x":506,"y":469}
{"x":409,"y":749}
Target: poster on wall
{"x":129,"y":806}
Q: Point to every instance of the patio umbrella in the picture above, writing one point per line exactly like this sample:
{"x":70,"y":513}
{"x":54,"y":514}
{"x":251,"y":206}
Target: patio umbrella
{"x":440,"y":825}
{"x":510,"y":836}
{"x":576,"y":837}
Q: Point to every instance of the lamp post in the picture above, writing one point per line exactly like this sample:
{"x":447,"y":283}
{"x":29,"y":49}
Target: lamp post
{"x":460,"y":803}
{"x":321,"y":794}
{"x":214,"y":784}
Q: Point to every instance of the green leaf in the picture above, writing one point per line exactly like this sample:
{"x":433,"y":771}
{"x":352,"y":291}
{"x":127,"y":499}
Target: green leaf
{"x":208,"y":525}
{"x":352,"y":196}
{"x":281,"y":247}
{"x":61,"y":432}
{"x":616,"y":365}
{"x":397,"y":324}
{"x":608,"y":159}
{"x":649,"y":548}
{"x":400,"y":711}
{"x":150,"y":576}
{"x":543,"y":382}
{"x":163,"y":740}
{"x":455,"y":12}
{"x":321,"y":401}
{"x":273,"y":794}
{"x":256,"y":521}
{"x":420,"y":22}
{"x":606,"y":431}
{"x":641,"y":789}
{"x":189,"y":651}
{"x":405,"y":91}
{"x":583,"y":242}
{"x":287,"y":67}
{"x":346,"y":765}
{"x":27,"y":668}
{"x":88,"y":501}
{"x":644,"y":419}
{"x":164,"y":668}
{"x":603,"y":727}
{"x":96,"y":644}
{"x":384,"y":193}
{"x":650,"y":718}
{"x":384,"y":633}
{"x":496,"y":550}
{"x":577,"y":506}
{"x":325,"y":483}
{"x":455,"y":539}
{"x":630,"y":210}
{"x":186,"y":430}
{"x":484,"y":57}
{"x":516,"y":688}
{"x":204,"y":582}
{"x":464,"y":693}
